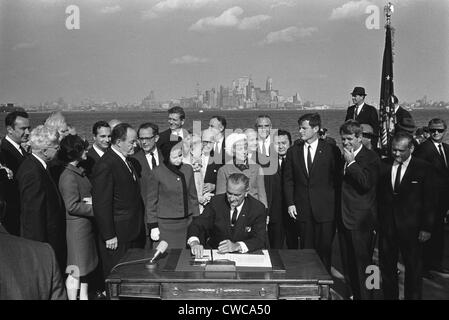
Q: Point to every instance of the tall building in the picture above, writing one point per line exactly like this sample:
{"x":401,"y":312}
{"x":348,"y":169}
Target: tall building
{"x":269,"y":84}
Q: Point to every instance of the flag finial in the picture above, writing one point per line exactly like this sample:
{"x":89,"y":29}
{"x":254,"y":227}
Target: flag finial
{"x":388,"y":10}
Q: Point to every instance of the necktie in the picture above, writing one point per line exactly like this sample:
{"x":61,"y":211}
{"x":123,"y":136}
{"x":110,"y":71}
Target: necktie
{"x":355,"y":111}
{"x":131,"y":168}
{"x":442,"y":155}
{"x":22,"y":150}
{"x":397,"y":179}
{"x":234,"y":217}
{"x":153,"y":161}
{"x":309,"y":160}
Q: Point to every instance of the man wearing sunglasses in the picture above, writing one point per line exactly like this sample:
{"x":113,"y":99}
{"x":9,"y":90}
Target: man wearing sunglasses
{"x":436,"y":152}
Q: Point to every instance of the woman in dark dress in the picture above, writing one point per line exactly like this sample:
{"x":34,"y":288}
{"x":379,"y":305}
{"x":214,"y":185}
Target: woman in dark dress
{"x":172,"y":199}
{"x":75,"y":189}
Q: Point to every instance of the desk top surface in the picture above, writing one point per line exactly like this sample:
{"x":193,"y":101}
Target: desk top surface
{"x":301,"y":266}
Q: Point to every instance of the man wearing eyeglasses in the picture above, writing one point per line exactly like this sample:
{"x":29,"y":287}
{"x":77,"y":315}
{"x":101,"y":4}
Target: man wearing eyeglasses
{"x":149,"y":157}
{"x":436,"y":152}
{"x":42,"y":210}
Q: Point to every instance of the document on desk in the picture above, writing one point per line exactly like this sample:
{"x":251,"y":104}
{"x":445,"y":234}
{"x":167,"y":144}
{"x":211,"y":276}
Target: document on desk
{"x":255,"y":260}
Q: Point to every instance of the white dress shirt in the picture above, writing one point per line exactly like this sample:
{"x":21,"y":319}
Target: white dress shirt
{"x":98,"y":150}
{"x":124,"y":160}
{"x":41,"y":161}
{"x":394,"y":170}
{"x":313,"y":147}
{"x":155,"y":156}
{"x":358,"y":109}
{"x":436,"y":144}
{"x":15,"y":145}
{"x":266,"y":144}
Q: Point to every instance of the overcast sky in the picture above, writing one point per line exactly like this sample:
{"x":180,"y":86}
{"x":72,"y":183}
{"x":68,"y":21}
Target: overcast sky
{"x":124,"y":49}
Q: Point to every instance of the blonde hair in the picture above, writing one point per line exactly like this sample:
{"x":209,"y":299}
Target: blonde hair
{"x":56,"y":121}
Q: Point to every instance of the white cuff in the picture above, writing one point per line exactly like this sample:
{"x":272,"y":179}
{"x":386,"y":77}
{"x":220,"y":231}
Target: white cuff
{"x":243,"y":247}
{"x":192,"y":239}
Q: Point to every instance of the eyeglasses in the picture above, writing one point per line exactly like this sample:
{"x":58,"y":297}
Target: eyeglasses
{"x":146,"y":138}
{"x":437,"y":130}
{"x":263,"y":126}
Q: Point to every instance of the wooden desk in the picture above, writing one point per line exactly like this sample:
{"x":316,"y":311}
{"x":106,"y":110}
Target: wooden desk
{"x":304,"y":278}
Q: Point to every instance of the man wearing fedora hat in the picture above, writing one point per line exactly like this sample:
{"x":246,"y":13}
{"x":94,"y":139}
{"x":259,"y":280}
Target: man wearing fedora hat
{"x":362,"y":112}
{"x":406,"y":125}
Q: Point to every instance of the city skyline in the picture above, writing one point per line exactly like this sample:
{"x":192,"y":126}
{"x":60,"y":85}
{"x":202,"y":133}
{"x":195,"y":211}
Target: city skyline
{"x":123,"y":50}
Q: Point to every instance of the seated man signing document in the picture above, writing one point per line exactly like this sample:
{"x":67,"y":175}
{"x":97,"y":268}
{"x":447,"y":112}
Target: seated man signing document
{"x":231,"y":222}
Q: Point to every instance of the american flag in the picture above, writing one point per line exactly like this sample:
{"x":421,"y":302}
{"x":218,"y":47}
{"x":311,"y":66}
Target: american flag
{"x":386,"y":109}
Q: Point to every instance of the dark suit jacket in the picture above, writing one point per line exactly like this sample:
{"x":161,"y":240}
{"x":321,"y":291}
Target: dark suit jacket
{"x":428,"y":152}
{"x":88,"y":164}
{"x":358,"y":191}
{"x":117,"y":203}
{"x":28,"y":270}
{"x":214,"y":224}
{"x":42,"y":209}
{"x":211,"y":171}
{"x":313,"y":196}
{"x":367,"y":115}
{"x":274,"y":189}
{"x":144,"y":172}
{"x":401,"y":114}
{"x":413,"y":208}
{"x":166,"y":136}
{"x":12,"y":159}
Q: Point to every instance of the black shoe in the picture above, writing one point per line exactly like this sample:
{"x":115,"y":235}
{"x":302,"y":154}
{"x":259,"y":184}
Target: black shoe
{"x":441,"y":269}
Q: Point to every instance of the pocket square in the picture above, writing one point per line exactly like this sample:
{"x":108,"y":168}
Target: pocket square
{"x":415,"y":182}
{"x":247,"y":229}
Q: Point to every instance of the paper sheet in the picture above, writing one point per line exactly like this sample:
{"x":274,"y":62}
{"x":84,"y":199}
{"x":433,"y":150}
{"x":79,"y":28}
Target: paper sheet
{"x":240,"y":259}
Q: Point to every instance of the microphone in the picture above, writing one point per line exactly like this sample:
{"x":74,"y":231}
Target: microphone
{"x":162,"y":246}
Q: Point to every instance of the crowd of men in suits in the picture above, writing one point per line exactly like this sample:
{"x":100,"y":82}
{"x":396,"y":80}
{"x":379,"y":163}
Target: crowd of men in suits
{"x":314,"y":190}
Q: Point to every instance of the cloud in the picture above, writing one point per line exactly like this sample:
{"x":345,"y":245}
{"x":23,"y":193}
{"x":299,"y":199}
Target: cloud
{"x":228,"y":19}
{"x":254,"y":22}
{"x":283,"y":3}
{"x":110,"y":10}
{"x":172,"y":5}
{"x":24,"y":45}
{"x":289,"y":34}
{"x":350,"y":9}
{"x":188,"y":59}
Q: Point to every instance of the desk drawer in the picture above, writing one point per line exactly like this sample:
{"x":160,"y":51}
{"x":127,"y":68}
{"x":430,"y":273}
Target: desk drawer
{"x":140,"y":290}
{"x":218,"y":291}
{"x":312,"y":292}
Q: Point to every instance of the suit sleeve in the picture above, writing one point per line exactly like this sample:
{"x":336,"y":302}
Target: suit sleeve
{"x":57,"y":290}
{"x":348,"y":114}
{"x":364,"y":175}
{"x":72,"y":199}
{"x":261,"y":187}
{"x":289,"y":183}
{"x":193,"y":195}
{"x":152,"y":202}
{"x":221,"y":181}
{"x":34,"y":208}
{"x":374,"y":120}
{"x":258,"y":230}
{"x":430,"y":199}
{"x":202,"y":224}
{"x":102,"y":198}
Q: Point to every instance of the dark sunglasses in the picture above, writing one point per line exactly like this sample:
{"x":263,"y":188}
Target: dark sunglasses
{"x":437,"y":130}
{"x":367,"y":135}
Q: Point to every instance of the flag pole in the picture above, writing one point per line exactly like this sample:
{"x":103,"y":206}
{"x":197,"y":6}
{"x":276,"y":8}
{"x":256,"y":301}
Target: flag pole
{"x":386,"y":105}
